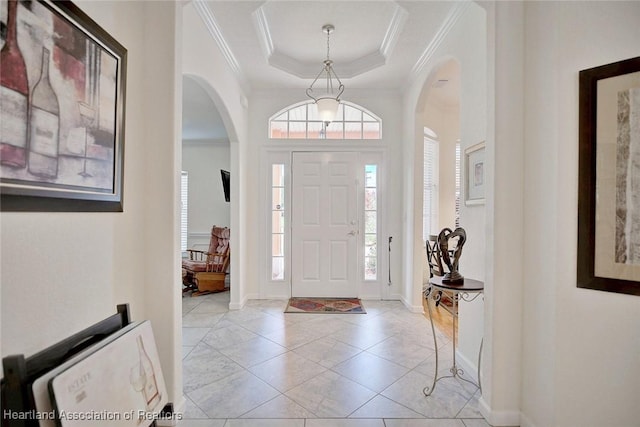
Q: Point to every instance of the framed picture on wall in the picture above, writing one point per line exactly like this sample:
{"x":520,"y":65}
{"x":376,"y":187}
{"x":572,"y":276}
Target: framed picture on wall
{"x":62,"y":89}
{"x":474,"y":180}
{"x":609,"y":178}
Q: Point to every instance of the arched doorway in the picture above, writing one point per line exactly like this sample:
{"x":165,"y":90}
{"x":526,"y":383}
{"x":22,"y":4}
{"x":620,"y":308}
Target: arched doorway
{"x":440,"y":176}
{"x":209,"y":145}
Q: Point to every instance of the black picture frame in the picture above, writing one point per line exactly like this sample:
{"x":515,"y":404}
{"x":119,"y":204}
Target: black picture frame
{"x":87,"y":69}
{"x":594,"y":182}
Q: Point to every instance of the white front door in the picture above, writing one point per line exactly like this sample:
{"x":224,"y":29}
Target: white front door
{"x":324,"y":261}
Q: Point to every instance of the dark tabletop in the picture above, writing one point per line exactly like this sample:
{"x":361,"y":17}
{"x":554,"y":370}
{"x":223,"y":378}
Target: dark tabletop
{"x":469,"y":285}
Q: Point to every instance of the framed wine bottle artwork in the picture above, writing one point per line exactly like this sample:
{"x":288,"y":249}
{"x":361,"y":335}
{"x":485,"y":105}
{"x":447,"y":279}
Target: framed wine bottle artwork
{"x":62,"y":98}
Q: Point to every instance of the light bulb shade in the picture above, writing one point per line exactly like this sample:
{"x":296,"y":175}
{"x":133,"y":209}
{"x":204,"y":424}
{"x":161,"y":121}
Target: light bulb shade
{"x":327,"y":109}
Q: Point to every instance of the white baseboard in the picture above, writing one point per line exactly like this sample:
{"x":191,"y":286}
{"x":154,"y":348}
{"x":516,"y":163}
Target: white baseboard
{"x":526,"y":421}
{"x":181,"y":406}
{"x":236,"y":306}
{"x":240,"y":305}
{"x":498,"y":418}
{"x":412,"y":308}
{"x":370,"y":297}
{"x":275,"y":296}
{"x":393,"y":297}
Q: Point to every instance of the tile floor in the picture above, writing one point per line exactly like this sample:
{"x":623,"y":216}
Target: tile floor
{"x":261,"y":367}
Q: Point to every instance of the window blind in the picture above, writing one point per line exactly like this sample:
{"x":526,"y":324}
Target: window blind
{"x":184,"y":209}
{"x":458,"y":183}
{"x":430,"y":187}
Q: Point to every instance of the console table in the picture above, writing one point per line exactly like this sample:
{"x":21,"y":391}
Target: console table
{"x":468,"y":290}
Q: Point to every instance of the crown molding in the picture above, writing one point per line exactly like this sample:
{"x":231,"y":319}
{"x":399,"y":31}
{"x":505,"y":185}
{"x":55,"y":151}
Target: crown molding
{"x":212,"y":26}
{"x":345,"y":70}
{"x":264,"y":34}
{"x":396,"y":25}
{"x":450,"y":21}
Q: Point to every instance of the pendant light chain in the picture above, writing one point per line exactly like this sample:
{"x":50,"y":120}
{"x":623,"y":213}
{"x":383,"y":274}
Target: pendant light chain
{"x":328,"y":33}
{"x":327,"y":65}
{"x":329,"y":101}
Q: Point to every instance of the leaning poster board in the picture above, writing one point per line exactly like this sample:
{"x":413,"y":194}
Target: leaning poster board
{"x":120,"y":384}
{"x":44,"y":412}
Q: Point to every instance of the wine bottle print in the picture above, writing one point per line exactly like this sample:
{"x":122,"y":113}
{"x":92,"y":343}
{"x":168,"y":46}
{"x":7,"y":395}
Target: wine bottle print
{"x":44,"y":123}
{"x":14,"y":96}
{"x":150,"y":389}
{"x":87,"y":107}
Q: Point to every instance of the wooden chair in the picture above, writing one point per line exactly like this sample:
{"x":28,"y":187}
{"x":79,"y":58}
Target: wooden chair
{"x":444,"y":250}
{"x":439,"y":256}
{"x":434,"y":260}
{"x":205,"y":272}
{"x":433,"y":257}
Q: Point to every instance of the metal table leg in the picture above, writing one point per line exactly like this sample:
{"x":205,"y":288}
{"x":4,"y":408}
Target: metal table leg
{"x":454,"y":370}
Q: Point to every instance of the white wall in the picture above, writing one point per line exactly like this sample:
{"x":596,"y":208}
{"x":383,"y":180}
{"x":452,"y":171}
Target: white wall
{"x":384,"y":104}
{"x":203,"y":159}
{"x":503,"y":250}
{"x":61,"y":272}
{"x":581,"y":346}
{"x":213,"y":73}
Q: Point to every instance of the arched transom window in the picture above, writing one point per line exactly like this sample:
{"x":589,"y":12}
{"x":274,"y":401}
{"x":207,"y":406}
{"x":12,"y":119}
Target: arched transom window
{"x":301,"y":121}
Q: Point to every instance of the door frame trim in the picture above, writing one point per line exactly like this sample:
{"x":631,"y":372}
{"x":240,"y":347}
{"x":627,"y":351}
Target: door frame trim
{"x":353,"y":288}
{"x":282,"y":152}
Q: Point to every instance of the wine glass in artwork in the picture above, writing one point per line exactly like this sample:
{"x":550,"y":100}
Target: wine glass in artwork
{"x":137,"y":378}
{"x":88,"y":116}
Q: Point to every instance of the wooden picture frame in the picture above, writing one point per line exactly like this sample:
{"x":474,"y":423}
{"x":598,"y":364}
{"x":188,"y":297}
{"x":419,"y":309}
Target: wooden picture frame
{"x":608,"y":217}
{"x":475,"y":174}
{"x":62,"y":146}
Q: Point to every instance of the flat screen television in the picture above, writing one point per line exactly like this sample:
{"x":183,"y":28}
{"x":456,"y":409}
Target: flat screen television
{"x":225,"y":184}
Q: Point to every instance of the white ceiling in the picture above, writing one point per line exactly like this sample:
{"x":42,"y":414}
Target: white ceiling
{"x":280,"y":44}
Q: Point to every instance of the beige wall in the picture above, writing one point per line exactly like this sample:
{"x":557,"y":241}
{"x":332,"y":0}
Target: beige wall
{"x":203,"y":159}
{"x":503,"y":250}
{"x":265,"y":103}
{"x":581,"y":346}
{"x":61,"y":272}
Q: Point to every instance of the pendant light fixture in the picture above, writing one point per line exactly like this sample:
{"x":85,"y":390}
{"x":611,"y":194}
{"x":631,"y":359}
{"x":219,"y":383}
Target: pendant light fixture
{"x":327,"y":98}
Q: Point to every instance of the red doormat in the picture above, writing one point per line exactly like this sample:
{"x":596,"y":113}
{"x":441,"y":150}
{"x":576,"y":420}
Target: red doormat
{"x":325,"y":305}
